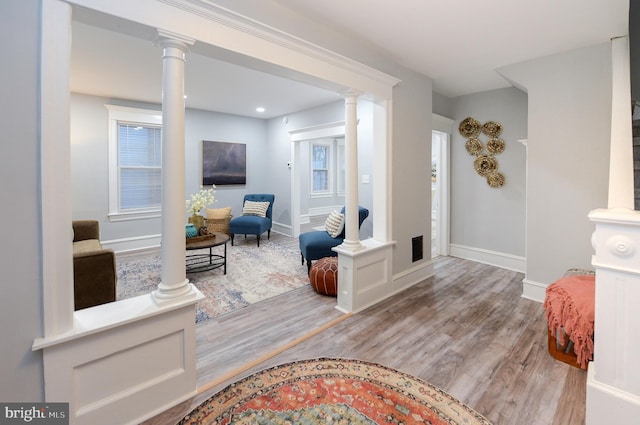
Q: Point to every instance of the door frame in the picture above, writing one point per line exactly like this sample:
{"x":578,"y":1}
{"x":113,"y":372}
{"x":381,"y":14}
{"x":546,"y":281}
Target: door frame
{"x":334,"y":129}
{"x":444,"y":125}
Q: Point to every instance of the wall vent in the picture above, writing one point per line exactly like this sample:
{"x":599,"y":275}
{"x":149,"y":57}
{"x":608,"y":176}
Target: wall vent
{"x":416,"y":248}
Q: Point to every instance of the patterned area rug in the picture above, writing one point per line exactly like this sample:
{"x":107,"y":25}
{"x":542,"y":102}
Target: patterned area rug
{"x":253,"y":274}
{"x":332,"y":391}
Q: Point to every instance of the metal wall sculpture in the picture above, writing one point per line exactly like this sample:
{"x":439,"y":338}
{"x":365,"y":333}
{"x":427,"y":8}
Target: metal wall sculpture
{"x":485,"y":164}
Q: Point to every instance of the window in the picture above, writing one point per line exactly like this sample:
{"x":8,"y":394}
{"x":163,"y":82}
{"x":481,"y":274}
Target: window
{"x":342,"y":170}
{"x":135,"y":163}
{"x":139,"y":166}
{"x":320,"y":168}
{"x":328,"y":167}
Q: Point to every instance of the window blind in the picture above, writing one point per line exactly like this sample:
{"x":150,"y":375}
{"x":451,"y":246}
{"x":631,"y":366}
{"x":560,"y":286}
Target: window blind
{"x":139,"y":166}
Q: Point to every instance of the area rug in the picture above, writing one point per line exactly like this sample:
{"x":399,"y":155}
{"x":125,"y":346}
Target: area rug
{"x":332,"y":391}
{"x":253,"y":274}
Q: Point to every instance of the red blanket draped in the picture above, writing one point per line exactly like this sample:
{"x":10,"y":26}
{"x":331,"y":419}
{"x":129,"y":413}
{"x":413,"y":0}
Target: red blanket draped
{"x":569,"y":305}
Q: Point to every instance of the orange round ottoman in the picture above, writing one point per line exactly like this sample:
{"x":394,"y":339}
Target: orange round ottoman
{"x":324,"y":276}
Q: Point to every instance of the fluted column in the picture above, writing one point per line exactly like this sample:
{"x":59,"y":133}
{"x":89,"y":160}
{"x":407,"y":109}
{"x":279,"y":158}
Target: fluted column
{"x":173,"y":281}
{"x":613,"y":378}
{"x":352,"y":230}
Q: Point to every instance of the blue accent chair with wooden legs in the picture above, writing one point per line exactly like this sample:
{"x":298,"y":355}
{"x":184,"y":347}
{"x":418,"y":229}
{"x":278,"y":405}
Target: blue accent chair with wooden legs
{"x":251,"y":222}
{"x":318,"y":243}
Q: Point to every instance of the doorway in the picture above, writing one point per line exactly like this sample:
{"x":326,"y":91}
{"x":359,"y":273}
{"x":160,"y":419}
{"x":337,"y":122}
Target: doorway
{"x":436,"y":192}
{"x":440,"y":137}
{"x":300,"y":175}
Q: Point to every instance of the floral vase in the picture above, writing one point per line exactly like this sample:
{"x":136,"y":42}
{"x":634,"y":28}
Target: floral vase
{"x":197,"y":220}
{"x":191,"y":230}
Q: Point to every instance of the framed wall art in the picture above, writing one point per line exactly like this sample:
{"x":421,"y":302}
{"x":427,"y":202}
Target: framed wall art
{"x":224,"y":163}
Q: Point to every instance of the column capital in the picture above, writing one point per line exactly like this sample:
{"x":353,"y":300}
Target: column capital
{"x":171,"y":39}
{"x":349,"y":93}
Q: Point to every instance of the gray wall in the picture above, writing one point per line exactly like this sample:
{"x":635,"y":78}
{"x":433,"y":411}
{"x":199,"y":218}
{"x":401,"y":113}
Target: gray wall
{"x":412,"y":106}
{"x":442,"y":105}
{"x":569,"y":102}
{"x":569,"y":128}
{"x":481,"y":216}
{"x":89,"y":167}
{"x":280,"y":151}
{"x":268,"y":152}
{"x":411,"y":152}
{"x":204,"y":125}
{"x":20,"y":225}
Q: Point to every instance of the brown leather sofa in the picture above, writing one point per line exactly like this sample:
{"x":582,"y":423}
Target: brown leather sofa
{"x":94,"y":268}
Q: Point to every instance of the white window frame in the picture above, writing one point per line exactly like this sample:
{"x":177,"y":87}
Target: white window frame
{"x":341,"y":167}
{"x":330,"y":169}
{"x":119,"y":114}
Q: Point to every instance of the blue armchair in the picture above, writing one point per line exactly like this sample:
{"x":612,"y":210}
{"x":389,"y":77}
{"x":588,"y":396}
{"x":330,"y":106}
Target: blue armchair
{"x":317,"y":244}
{"x":253,"y":223}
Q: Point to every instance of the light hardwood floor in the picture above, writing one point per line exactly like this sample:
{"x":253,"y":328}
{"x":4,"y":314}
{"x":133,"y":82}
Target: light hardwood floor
{"x":465,"y":330}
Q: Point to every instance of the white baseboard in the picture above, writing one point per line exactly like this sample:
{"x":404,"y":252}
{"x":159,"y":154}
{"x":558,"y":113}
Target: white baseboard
{"x":323,"y":210}
{"x":306,"y":218}
{"x":534,"y":291}
{"x":152,"y":242}
{"x":283,"y":229}
{"x":493,"y":258}
{"x":412,"y":276}
{"x":138,"y":243}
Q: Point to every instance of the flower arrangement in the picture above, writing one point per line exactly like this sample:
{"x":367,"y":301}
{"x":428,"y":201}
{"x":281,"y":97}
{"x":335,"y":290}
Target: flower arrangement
{"x":200,"y":200}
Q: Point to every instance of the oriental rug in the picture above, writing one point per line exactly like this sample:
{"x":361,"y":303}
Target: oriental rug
{"x":253,"y":274}
{"x":332,"y":391}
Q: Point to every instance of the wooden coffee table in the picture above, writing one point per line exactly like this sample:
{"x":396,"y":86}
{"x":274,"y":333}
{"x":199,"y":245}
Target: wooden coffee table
{"x":202,"y":262}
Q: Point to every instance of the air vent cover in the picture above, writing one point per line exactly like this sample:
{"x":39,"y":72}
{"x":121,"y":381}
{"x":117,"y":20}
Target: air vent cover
{"x":416,"y":248}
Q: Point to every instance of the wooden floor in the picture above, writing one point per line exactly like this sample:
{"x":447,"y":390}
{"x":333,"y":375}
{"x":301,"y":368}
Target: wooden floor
{"x":465,"y":330}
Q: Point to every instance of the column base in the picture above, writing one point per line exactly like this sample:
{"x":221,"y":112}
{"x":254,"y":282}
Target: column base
{"x":165,"y":293}
{"x":352,"y":246}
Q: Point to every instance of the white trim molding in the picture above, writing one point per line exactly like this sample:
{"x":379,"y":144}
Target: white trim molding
{"x":327,"y":130}
{"x":534,"y":291}
{"x":379,"y":83}
{"x":134,"y":244}
{"x":493,"y":258}
{"x":115,"y":340}
{"x":116,"y":114}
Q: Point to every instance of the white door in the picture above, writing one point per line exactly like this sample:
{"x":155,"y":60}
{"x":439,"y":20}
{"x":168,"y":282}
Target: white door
{"x":436,"y":191}
{"x":440,"y":137}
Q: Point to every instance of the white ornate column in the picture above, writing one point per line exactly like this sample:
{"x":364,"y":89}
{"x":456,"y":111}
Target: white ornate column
{"x":174,"y":282}
{"x":364,"y":267}
{"x":352,"y":229}
{"x":613,"y":380}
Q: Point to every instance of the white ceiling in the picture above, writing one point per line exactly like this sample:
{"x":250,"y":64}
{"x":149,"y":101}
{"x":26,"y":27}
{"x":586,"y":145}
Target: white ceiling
{"x":117,"y":65}
{"x":457,"y":43}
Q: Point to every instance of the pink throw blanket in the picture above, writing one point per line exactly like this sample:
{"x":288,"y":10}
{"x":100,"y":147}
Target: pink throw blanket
{"x":569,"y":304}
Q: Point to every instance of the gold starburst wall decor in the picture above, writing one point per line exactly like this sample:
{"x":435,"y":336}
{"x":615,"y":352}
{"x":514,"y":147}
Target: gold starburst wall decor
{"x":485,"y":164}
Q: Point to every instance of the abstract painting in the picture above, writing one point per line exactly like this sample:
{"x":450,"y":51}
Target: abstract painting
{"x":224,"y":163}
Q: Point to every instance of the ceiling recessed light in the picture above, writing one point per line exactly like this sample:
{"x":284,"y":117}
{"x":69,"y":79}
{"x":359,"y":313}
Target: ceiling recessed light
{"x":259,"y":109}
